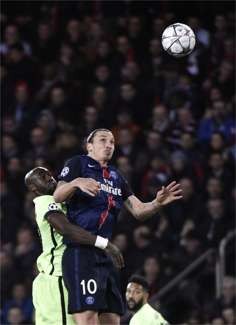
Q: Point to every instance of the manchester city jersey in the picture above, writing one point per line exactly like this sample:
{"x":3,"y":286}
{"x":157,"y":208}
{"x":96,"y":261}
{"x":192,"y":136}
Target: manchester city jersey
{"x":49,"y":261}
{"x":98,"y":214}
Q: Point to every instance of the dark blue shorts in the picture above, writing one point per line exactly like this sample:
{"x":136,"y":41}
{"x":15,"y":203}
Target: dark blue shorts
{"x":92,"y":281}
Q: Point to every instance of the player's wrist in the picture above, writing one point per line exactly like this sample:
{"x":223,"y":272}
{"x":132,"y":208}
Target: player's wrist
{"x":156,"y":205}
{"x":101,"y":242}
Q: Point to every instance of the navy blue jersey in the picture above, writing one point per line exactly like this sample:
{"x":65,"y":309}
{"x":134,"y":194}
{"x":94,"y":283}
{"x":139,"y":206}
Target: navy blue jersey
{"x":98,"y":214}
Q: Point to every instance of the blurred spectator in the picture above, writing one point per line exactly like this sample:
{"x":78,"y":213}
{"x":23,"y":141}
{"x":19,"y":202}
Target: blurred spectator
{"x":26,"y":250}
{"x":229,"y":315}
{"x":203,"y":36}
{"x":214,"y":188}
{"x":90,"y":121}
{"x":39,"y":145}
{"x":19,"y":300}
{"x":11,"y":38}
{"x":227,"y":300}
{"x":160,"y":119}
{"x":124,"y":120}
{"x":15,"y":316}
{"x":142,"y":244}
{"x":22,"y":68}
{"x":215,"y":222}
{"x":151,"y":272}
{"x":124,"y":166}
{"x":9,"y":147}
{"x":126,"y":143}
{"x":219,"y":121}
{"x":45,"y":44}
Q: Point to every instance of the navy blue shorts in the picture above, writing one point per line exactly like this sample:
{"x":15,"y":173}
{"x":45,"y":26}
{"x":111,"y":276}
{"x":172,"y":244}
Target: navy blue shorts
{"x":92,"y":281}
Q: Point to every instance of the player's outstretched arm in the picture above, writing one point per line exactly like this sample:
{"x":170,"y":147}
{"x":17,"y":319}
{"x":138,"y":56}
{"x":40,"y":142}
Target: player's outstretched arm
{"x":143,"y":211}
{"x":78,"y":235}
{"x":65,"y":190}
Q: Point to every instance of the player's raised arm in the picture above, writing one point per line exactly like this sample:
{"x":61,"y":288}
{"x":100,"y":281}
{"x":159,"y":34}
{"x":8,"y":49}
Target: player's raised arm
{"x":166,"y":195}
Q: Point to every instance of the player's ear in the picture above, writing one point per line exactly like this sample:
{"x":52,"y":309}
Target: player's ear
{"x":146,"y":295}
{"x":89,"y":147}
{"x":32,"y":188}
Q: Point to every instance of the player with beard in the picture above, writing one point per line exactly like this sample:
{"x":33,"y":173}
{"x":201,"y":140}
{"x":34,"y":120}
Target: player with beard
{"x":137,"y":297}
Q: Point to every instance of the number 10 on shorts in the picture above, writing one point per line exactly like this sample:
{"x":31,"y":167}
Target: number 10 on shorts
{"x":90,"y":288}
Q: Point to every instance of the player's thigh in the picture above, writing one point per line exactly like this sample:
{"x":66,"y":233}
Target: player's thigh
{"x":50,"y":301}
{"x":88,"y":317}
{"x":115,"y":303}
{"x":109,"y":318}
{"x":85,"y":282}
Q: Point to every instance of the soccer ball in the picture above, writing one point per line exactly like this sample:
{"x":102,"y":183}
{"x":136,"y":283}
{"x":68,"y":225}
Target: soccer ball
{"x":178,"y":40}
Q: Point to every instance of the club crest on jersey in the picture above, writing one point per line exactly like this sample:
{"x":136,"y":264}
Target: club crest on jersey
{"x":113,"y":174}
{"x":89,"y":300}
{"x":53,"y":206}
{"x":65,"y":171}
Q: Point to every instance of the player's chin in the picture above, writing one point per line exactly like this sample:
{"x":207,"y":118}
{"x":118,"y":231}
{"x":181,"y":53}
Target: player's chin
{"x":131,"y":305}
{"x":108,"y":155}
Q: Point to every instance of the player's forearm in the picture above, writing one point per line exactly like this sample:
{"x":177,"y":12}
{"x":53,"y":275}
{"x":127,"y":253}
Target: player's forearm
{"x":75,"y":233}
{"x":64,"y":191}
{"x":79,"y":235}
{"x":147,"y":210}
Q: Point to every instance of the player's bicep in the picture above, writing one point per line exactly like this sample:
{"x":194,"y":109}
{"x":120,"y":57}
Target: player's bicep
{"x":57,"y":220}
{"x":133,"y":205}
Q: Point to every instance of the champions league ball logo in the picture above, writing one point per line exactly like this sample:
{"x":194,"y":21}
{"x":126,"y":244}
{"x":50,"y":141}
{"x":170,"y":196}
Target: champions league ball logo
{"x":53,"y":206}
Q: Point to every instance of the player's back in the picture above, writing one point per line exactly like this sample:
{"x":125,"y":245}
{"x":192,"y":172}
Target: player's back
{"x":49,"y":261}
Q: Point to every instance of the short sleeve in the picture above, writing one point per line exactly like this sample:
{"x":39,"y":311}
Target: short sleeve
{"x":125,"y":188}
{"x":45,"y":205}
{"x":71,"y":170}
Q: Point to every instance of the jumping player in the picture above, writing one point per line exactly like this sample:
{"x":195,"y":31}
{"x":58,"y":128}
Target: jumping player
{"x":95,"y":193}
{"x":49,"y":294}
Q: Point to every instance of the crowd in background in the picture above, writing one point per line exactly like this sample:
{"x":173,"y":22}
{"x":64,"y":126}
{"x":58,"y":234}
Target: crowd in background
{"x":66,"y":71}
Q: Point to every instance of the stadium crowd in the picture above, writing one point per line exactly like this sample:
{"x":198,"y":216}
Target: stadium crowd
{"x":67,"y":69}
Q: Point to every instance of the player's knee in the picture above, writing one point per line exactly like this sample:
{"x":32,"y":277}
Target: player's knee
{"x":109,"y":318}
{"x":86,"y":318}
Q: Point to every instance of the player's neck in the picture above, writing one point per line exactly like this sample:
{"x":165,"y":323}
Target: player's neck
{"x":103,"y":163}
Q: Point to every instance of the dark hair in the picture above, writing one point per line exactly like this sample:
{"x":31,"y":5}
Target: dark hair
{"x":139,"y":280}
{"x":93,"y":133}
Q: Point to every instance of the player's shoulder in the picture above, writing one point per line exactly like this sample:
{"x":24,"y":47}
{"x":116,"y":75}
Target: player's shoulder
{"x":74,"y":159}
{"x":79,"y":159}
{"x":43,"y":199}
{"x":116,"y":174}
{"x":46,"y":203}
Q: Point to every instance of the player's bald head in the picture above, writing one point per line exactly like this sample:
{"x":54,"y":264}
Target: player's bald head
{"x":40,"y":181}
{"x":33,"y":174}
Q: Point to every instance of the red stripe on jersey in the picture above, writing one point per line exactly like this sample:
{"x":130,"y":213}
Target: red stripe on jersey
{"x":104,"y":214}
{"x":105,"y":173}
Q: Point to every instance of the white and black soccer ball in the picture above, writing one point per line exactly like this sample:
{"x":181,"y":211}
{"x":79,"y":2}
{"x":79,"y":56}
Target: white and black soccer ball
{"x":178,"y":40}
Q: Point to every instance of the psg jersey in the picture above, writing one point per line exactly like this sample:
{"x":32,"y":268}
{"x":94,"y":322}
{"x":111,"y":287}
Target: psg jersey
{"x":98,"y":214}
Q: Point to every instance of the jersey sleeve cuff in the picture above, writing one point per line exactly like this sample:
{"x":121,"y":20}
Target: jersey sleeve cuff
{"x":47,"y":214}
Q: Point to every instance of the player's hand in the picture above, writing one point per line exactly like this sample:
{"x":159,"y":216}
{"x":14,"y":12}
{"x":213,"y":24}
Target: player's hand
{"x":168,"y":194}
{"x":115,"y":254}
{"x":87,"y":185}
